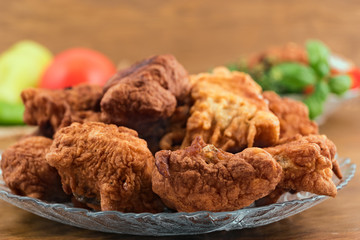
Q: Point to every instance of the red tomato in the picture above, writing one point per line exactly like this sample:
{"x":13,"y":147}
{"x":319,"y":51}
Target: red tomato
{"x":309,"y":89}
{"x":355,"y":76}
{"x":77,"y":65}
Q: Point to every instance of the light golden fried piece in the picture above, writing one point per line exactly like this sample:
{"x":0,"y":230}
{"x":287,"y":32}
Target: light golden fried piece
{"x":293,"y":116}
{"x":53,"y":109}
{"x":308,"y":164}
{"x":229,"y":112}
{"x":105,"y":166}
{"x":202,"y":177}
{"x":26,"y":172}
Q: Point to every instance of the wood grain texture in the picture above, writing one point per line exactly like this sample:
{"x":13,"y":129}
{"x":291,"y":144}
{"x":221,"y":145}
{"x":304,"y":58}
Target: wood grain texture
{"x":201,"y":34}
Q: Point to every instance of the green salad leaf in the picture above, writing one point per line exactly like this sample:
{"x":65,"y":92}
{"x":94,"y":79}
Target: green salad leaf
{"x":315,"y":102}
{"x":292,"y":77}
{"x":318,"y":55}
{"x":339,"y":84}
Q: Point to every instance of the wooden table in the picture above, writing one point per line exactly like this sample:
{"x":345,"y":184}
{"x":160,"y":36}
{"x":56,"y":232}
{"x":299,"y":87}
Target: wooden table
{"x":201,"y":35}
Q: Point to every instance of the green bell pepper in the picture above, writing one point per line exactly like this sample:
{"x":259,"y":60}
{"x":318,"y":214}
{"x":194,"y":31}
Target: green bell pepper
{"x":21,"y":67}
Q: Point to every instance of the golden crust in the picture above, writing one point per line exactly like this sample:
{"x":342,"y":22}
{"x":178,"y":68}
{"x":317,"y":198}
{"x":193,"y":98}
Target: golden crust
{"x":202,"y":177}
{"x":293,"y":116}
{"x":54,"y":109}
{"x":105,"y":166}
{"x":308,"y":163}
{"x":26,"y":172}
{"x":229,"y":112}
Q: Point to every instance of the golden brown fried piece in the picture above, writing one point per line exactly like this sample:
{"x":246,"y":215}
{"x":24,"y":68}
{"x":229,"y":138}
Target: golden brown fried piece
{"x":293,"y":116}
{"x":308,"y":164}
{"x":202,"y":177}
{"x":290,"y":52}
{"x":105,"y":166}
{"x":53,"y":109}
{"x":229,"y":112}
{"x":26,"y":172}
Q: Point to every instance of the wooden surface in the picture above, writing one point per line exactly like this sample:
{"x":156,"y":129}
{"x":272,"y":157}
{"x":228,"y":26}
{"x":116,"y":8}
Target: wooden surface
{"x":201,"y":34}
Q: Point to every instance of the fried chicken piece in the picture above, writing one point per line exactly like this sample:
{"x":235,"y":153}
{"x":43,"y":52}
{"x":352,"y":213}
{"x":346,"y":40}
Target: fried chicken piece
{"x":26,"y":172}
{"x":202,"y":177}
{"x":145,"y":96}
{"x":293,"y":116}
{"x":105,"y":166}
{"x":290,"y":52}
{"x":53,"y":109}
{"x":229,"y":112}
{"x":146,"y":92}
{"x":163,"y":69}
{"x":137,"y":100}
{"x":308,"y":164}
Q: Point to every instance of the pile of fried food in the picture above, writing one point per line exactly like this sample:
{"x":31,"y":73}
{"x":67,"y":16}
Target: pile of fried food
{"x":155,"y":138}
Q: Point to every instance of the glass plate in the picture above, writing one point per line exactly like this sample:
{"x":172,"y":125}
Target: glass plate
{"x":181,"y":223}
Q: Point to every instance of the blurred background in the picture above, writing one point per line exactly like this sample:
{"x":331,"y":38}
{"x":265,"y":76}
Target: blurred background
{"x":201,"y":34}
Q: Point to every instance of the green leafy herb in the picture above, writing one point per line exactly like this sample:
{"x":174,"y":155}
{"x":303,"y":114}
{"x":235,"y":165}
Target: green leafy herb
{"x":292,"y":77}
{"x":339,"y":84}
{"x":315,"y":101}
{"x":318,"y":55}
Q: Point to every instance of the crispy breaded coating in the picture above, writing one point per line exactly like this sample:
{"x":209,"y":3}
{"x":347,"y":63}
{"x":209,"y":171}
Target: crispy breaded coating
{"x":105,"y":166}
{"x":229,"y":112}
{"x":308,"y":164}
{"x":137,"y":100}
{"x":146,"y":92}
{"x":144,"y":96}
{"x":163,"y":69}
{"x":53,"y":109}
{"x":293,"y":116}
{"x":203,"y":177}
{"x":26,"y":172}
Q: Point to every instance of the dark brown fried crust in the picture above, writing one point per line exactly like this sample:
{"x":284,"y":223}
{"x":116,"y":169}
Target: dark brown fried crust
{"x":53,"y":109}
{"x":26,"y":172}
{"x":148,"y":91}
{"x":202,"y":177}
{"x":293,"y":116}
{"x":176,"y":130}
{"x":145,"y":96}
{"x":136,"y":101}
{"x":273,"y":197}
{"x":105,"y":166}
{"x":163,"y":69}
{"x":308,"y":164}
